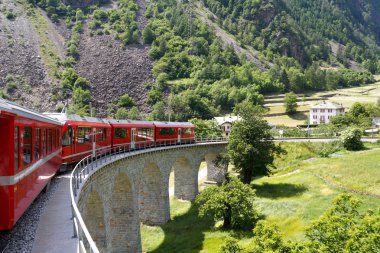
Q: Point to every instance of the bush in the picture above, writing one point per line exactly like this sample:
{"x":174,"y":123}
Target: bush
{"x":351,"y":139}
{"x":324,"y":149}
{"x":230,"y":246}
{"x":10,"y":15}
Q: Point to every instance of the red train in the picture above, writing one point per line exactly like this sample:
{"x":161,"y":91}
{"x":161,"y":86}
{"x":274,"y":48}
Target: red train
{"x":34,"y":146}
{"x":30,"y":155}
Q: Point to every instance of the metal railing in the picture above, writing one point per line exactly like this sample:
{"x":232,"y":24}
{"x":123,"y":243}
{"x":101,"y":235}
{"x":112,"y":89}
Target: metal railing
{"x":106,"y":155}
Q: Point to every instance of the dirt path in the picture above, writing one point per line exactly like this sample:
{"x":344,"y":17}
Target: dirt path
{"x":228,"y":39}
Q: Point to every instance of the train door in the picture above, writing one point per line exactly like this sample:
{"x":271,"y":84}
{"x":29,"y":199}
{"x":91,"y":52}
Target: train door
{"x":179,"y":135}
{"x":133,"y":139}
{"x":93,"y":142}
{"x":6,"y":150}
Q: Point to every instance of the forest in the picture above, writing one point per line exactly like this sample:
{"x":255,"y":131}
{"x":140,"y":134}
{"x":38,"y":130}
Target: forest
{"x":197,"y":76}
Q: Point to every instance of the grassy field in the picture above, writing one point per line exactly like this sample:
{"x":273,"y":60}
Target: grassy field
{"x":301,"y":190}
{"x":347,"y":96}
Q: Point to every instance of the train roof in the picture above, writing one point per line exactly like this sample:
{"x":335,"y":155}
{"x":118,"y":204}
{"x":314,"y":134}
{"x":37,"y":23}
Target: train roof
{"x":173,"y":124}
{"x":13,"y":108}
{"x":63,"y":117}
{"x":129,"y":121}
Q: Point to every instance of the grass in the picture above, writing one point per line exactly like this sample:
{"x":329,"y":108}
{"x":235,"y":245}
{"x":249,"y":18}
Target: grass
{"x":292,"y":198}
{"x":347,"y":96}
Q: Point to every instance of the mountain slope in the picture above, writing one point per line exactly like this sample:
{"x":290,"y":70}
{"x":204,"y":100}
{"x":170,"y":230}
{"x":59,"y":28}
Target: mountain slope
{"x":302,"y":29}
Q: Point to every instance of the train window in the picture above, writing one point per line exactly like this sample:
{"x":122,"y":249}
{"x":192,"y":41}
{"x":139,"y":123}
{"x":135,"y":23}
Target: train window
{"x":37,"y":139}
{"x":186,"y":131}
{"x":166,"y":131}
{"x":49,"y":140}
{"x":59,"y":138}
{"x":120,"y":133}
{"x":102,"y":134}
{"x":66,"y":140}
{"x":44,"y":141}
{"x":16,"y":149}
{"x":84,"y":134}
{"x":145,"y":132}
{"x":53,"y":139}
{"x":27,"y":145}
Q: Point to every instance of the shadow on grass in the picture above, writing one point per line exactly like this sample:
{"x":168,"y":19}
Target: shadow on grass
{"x":298,"y":116}
{"x":185,"y":233}
{"x":281,"y":190}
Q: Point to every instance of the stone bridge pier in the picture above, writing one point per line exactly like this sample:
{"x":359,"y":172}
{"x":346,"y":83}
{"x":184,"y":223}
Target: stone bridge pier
{"x":116,"y":197}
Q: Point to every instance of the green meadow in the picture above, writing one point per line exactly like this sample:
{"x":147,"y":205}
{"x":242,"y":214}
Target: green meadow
{"x":301,"y":189}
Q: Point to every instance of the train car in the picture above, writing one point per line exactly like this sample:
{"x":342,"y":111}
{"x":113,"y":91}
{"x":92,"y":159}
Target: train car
{"x":82,"y":136}
{"x":174,"y":132}
{"x":30,"y":155}
{"x":132,"y":133}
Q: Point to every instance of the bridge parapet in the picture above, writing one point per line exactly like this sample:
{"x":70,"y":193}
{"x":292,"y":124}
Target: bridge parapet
{"x":115,"y":190}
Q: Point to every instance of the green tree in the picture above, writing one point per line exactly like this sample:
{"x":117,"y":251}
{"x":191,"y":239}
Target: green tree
{"x":158,"y":112}
{"x":134,"y":114}
{"x":290,"y":101}
{"x":251,"y":148}
{"x":351,"y":139}
{"x":126,"y":101}
{"x":206,"y":128}
{"x":121,"y":113}
{"x":232,"y":202}
{"x":148,"y":35}
{"x":332,"y":230}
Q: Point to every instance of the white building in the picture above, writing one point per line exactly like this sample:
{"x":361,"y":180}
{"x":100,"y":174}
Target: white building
{"x":376,"y":122}
{"x":322,"y":112}
{"x":225,"y":123}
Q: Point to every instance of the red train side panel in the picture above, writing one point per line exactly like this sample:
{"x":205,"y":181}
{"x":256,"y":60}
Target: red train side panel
{"x":132,"y":133}
{"x":176,"y":132}
{"x":30,"y":154}
{"x":82,"y":136}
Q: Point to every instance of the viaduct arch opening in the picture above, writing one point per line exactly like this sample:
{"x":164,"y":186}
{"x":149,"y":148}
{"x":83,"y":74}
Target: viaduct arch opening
{"x":123,"y":217}
{"x":94,"y":219}
{"x":153,"y":199}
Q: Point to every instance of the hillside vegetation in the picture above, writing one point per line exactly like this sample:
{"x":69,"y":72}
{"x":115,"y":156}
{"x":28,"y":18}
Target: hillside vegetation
{"x":187,"y":59}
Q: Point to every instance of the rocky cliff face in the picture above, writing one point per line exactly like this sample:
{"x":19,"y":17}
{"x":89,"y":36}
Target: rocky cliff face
{"x":114,"y":71}
{"x":23,"y":72}
{"x":31,"y":46}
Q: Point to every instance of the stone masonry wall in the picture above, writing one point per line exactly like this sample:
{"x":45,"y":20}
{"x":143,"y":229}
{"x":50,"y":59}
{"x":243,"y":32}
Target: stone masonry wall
{"x":135,"y":189}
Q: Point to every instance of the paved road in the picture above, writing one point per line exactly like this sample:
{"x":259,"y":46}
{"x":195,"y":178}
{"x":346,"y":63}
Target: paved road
{"x":55,"y":229}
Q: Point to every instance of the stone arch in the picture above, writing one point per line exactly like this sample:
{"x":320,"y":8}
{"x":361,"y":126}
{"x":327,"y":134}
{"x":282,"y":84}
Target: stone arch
{"x":153,"y":197}
{"x":214,"y":173}
{"x":123,"y":217}
{"x":185,"y":179}
{"x":94,"y":220}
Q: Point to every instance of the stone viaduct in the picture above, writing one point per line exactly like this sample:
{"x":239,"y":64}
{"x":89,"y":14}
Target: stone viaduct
{"x":118,"y":195}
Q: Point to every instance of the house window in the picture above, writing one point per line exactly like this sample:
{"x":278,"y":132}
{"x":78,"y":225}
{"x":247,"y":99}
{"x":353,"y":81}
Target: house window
{"x":330,"y":110}
{"x":314,"y":110}
{"x":315,"y":117}
{"x":322,"y":110}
